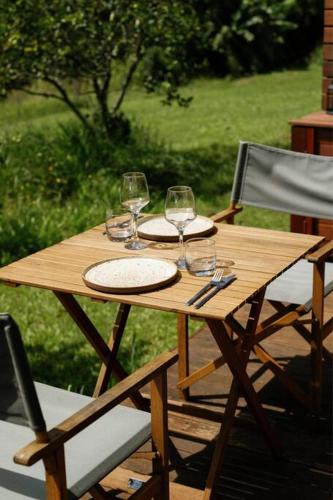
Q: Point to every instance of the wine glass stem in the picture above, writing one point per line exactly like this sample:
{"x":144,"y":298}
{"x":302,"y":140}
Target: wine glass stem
{"x":181,"y":245}
{"x":135,"y":225}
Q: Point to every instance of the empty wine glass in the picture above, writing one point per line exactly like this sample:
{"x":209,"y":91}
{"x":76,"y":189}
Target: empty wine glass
{"x":180,"y":211}
{"x":134,"y":195}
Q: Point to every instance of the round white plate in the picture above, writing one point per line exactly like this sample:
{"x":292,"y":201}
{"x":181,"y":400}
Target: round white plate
{"x":159,"y":229}
{"x":129,"y":274}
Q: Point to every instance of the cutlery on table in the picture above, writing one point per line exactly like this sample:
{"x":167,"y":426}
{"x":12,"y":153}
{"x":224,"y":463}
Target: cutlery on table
{"x":216,"y":280}
{"x":218,"y":286}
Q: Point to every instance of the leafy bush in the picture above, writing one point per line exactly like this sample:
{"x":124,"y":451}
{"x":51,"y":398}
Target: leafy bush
{"x":250,"y":36}
{"x":58,"y":184}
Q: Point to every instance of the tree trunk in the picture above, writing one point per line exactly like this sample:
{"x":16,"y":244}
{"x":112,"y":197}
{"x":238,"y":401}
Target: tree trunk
{"x":66,"y":99}
{"x":101,"y":92}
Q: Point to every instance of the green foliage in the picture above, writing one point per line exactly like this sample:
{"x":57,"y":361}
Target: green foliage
{"x":249,"y":36}
{"x":72,"y":170}
{"x":64,"y":161}
{"x":76,"y":40}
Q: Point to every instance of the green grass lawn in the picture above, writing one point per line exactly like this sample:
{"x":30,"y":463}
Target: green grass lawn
{"x":222,"y":113}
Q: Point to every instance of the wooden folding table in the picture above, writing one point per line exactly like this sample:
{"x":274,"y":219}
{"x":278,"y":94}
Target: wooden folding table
{"x":260,"y":255}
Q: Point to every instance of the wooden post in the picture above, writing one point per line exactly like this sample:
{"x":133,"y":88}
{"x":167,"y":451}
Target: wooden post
{"x":316,"y":334}
{"x":327,"y":51}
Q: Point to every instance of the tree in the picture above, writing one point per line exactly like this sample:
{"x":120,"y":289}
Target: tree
{"x":46,"y":44}
{"x":251,"y":36}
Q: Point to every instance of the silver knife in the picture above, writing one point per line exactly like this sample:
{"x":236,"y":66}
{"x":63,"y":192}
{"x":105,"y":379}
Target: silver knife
{"x":205,"y":289}
{"x":223,"y":283}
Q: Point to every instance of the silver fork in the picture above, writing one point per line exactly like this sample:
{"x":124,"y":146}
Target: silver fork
{"x":213,"y":282}
{"x":218,"y":286}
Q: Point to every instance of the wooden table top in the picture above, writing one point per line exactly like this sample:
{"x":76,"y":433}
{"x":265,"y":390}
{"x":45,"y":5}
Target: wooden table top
{"x":259,"y":255}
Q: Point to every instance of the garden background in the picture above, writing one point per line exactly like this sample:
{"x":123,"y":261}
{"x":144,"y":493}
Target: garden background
{"x":244,"y":68}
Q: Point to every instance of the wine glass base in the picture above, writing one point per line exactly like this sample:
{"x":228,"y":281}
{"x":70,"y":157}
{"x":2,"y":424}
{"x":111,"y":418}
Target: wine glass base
{"x":181,"y":264}
{"x":136,"y":245}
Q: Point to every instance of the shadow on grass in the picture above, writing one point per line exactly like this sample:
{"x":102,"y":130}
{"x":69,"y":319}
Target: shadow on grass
{"x":67,"y":365}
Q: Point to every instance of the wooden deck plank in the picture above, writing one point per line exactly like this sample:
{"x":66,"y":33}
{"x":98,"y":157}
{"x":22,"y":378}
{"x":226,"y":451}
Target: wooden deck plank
{"x":249,"y":471}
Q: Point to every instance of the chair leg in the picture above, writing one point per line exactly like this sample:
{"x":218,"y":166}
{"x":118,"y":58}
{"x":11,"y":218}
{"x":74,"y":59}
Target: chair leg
{"x":159,"y":429}
{"x":55,"y":475}
{"x":183,"y":352}
{"x":98,"y":493}
{"x":316,"y":334}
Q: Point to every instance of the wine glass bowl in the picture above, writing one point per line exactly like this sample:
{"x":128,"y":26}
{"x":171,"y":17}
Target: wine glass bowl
{"x":180,"y":211}
{"x":134,"y":195}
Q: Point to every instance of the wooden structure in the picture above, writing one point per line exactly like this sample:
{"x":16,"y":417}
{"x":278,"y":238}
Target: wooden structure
{"x":327,"y":50}
{"x":260,"y":255}
{"x":314,"y":133}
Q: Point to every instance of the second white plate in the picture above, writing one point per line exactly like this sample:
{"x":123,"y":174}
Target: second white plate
{"x":159,"y":229}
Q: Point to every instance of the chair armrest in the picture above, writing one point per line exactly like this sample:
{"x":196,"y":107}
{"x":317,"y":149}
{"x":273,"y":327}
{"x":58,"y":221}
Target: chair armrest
{"x":64,"y":431}
{"x":321,"y":254}
{"x":227,"y":214}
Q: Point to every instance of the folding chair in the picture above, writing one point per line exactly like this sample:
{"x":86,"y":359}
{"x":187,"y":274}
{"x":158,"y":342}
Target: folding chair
{"x":301,"y":184}
{"x":87,"y":437}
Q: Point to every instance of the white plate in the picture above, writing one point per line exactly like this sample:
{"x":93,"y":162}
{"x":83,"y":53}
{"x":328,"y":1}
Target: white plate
{"x":129,"y":274}
{"x":159,"y":229}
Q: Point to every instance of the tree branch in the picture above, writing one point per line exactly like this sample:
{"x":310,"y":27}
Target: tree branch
{"x":128,"y":78}
{"x":101,"y":91}
{"x":67,"y":100}
{"x":41,"y":94}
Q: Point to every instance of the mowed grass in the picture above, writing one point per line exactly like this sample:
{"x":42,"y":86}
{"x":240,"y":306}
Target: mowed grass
{"x":222,"y":113}
{"x":225,"y":111}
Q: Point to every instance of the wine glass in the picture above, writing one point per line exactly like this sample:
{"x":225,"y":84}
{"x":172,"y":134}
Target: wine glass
{"x":180,"y":211}
{"x":134,"y":195}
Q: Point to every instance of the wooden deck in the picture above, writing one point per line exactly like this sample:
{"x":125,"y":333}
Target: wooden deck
{"x":249,"y":470}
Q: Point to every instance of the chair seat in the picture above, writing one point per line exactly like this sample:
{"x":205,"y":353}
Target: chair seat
{"x":295,"y":285}
{"x":90,"y":455}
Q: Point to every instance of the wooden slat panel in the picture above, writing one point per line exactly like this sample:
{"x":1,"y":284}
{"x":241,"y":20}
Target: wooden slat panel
{"x":326,"y":149}
{"x":298,"y":139}
{"x":328,"y":34}
{"x":325,"y":226}
{"x":328,"y":17}
{"x":328,"y":69}
{"x":328,"y":51}
{"x":328,"y":4}
{"x":325,"y":83}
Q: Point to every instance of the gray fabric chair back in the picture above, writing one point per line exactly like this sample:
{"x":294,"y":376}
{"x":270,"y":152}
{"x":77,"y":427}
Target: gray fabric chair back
{"x":286,"y":181}
{"x":18,"y":398}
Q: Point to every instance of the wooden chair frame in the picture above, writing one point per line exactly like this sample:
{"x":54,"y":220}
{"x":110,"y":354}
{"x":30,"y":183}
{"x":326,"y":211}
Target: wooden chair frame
{"x":290,"y":315}
{"x":49,"y":446}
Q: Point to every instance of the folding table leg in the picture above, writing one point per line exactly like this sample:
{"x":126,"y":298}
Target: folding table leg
{"x":94,"y":338}
{"x":114,"y":344}
{"x":183,"y":350}
{"x":237,"y":359}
